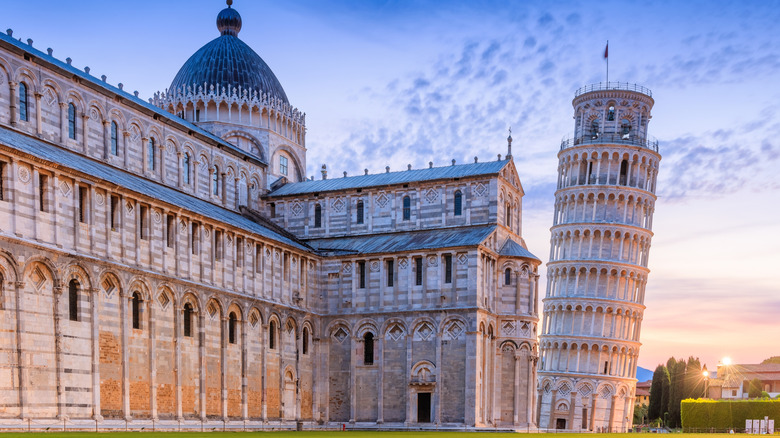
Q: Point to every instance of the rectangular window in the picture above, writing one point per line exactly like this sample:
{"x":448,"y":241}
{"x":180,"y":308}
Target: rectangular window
{"x":114,"y":213}
{"x":360,"y":212}
{"x":3,"y":165}
{"x":218,"y":250}
{"x":418,"y":271}
{"x":170,"y":230}
{"x":195,"y":238}
{"x":43,"y":192}
{"x":283,"y":163}
{"x":258,"y":258}
{"x":197,"y":115}
{"x":448,"y":268}
{"x":240,"y":252}
{"x":143,"y":232}
{"x":83,"y":204}
{"x":362,"y":274}
{"x":390,"y":273}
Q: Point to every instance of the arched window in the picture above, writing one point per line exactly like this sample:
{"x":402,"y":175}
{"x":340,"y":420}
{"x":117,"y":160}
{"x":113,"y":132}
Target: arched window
{"x":625,"y":127}
{"x":150,"y":155}
{"x":188,"y":320}
{"x":368,"y":349}
{"x":305,"y":342}
{"x":508,"y":276}
{"x":407,"y":208}
{"x":186,"y":168}
{"x":136,"y":310}
{"x":71,"y":121}
{"x":272,"y":335}
{"x":623,"y":171}
{"x":114,"y":141}
{"x":73,"y":300}
{"x":232,"y":327}
{"x":283,"y":165}
{"x":317,"y":216}
{"x":594,"y":129}
{"x":22,"y":101}
{"x":458,"y":203}
{"x":611,"y":113}
{"x":215,"y":181}
{"x":359,"y":216}
{"x":508,"y":214}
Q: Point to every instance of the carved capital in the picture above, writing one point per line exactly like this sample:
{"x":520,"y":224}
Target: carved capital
{"x":19,"y":284}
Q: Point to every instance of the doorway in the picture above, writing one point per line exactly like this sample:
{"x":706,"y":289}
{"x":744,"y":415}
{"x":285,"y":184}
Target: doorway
{"x":560,"y":423}
{"x":423,"y":407}
{"x":288,"y":397}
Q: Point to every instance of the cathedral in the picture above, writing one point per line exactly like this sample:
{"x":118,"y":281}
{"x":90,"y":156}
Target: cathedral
{"x":167,"y":264}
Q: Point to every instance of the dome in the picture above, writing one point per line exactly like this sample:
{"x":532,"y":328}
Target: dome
{"x":229,"y":62}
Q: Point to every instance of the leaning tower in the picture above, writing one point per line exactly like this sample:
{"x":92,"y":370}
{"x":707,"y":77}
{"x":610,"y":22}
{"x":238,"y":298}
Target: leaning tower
{"x":597,"y":272}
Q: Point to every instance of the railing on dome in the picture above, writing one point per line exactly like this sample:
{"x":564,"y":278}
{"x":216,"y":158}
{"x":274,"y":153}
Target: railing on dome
{"x":649,"y":143}
{"x":603,"y":86}
{"x":207,"y":93}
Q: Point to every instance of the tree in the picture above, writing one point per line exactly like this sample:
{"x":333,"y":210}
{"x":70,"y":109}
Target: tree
{"x":754,"y":389}
{"x":658,"y":400}
{"x":694,"y":380}
{"x":676,"y":389}
{"x":773,"y":359}
{"x":640,"y":414}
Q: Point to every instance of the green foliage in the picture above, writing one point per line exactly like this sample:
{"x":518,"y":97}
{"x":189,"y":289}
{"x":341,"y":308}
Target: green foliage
{"x":754,"y":390}
{"x":640,"y":414}
{"x":659,"y":393}
{"x":765,"y":394}
{"x":773,"y":359}
{"x":725,"y":414}
{"x":677,"y":389}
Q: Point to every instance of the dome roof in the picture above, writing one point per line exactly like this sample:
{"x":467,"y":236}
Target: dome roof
{"x":228,"y":62}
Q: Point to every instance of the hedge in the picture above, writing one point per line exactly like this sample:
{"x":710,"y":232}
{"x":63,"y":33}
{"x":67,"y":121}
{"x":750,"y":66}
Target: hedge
{"x":703,"y":414}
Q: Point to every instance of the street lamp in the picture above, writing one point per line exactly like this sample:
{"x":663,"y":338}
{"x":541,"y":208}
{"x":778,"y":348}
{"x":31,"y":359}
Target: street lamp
{"x":706,"y":375}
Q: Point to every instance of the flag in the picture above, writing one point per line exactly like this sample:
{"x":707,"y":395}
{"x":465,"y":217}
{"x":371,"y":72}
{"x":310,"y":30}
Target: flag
{"x":606,"y":51}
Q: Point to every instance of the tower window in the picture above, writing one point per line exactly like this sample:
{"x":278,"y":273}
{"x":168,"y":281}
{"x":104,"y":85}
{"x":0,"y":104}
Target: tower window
{"x":218,"y":250}
{"x":594,"y":129}
{"x":136,"y":310}
{"x":458,"y":208}
{"x":197,"y":115}
{"x":186,"y":168}
{"x":623,"y":171}
{"x":407,"y":208}
{"x":232,"y":328}
{"x":418,"y":271}
{"x":390,"y":273}
{"x":362,"y":274}
{"x":508,"y":214}
{"x":507,"y":276}
{"x":283,"y":165}
{"x":114,"y":140}
{"x":317,"y":216}
{"x":22,"y":101}
{"x":73,"y":300}
{"x":150,"y":155}
{"x":188,"y":320}
{"x":359,"y":217}
{"x":448,"y":268}
{"x":305,"y":341}
{"x":368,"y":349}
{"x":72,"y":121}
{"x":611,"y":113}
{"x":195,"y":239}
{"x":625,"y":127}
{"x":258,"y":258}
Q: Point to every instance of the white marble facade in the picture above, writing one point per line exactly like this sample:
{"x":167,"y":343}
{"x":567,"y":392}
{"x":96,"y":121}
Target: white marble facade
{"x":153,"y":270}
{"x":597,"y":272}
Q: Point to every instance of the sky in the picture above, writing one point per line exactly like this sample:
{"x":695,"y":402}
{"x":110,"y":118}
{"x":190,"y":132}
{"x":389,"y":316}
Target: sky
{"x":391,"y":83}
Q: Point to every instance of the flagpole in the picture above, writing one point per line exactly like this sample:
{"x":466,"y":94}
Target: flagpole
{"x":606,"y":55}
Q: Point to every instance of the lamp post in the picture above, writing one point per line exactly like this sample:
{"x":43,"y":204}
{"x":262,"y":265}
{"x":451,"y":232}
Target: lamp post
{"x":706,"y":375}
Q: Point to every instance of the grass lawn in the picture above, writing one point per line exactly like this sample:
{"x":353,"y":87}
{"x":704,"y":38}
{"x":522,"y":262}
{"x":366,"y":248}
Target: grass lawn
{"x":337,"y":434}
